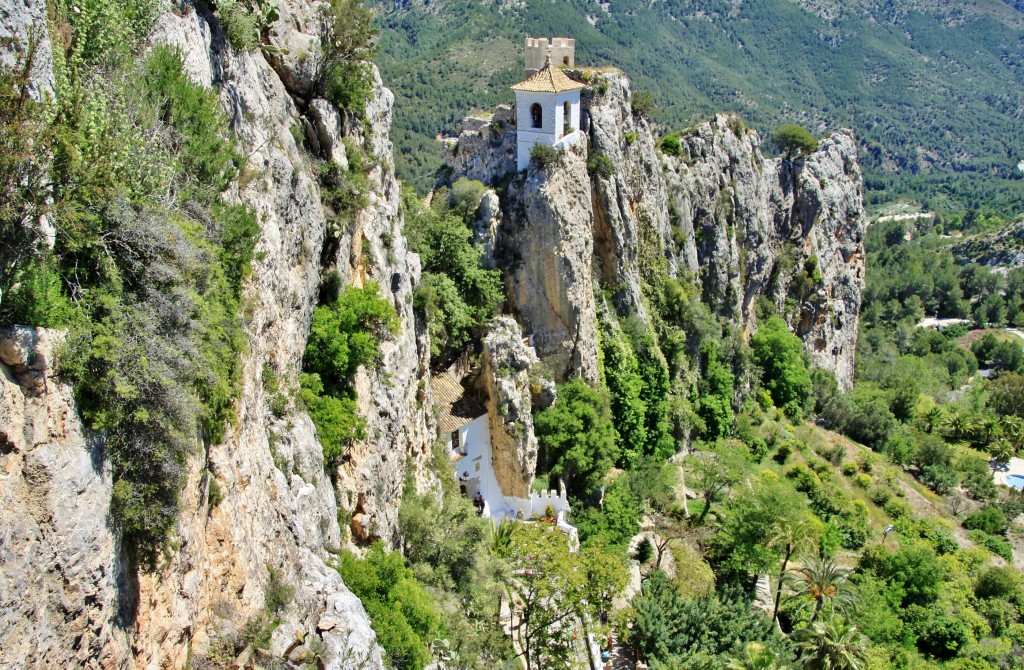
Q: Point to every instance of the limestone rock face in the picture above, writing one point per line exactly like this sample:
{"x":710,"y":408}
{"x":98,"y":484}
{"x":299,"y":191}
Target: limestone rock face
{"x":68,"y":599}
{"x":395,"y":398}
{"x":740,"y":226}
{"x":629,"y":201}
{"x":548,"y":236}
{"x":23,"y":24}
{"x":486,"y":148}
{"x":506,"y":361}
{"x":61,"y":578}
{"x":790,"y":231}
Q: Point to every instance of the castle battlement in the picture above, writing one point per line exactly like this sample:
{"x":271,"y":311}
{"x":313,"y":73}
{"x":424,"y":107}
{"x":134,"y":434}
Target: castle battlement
{"x":562,"y":50}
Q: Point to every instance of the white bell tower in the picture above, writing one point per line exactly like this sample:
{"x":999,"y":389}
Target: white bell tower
{"x":547,"y":109}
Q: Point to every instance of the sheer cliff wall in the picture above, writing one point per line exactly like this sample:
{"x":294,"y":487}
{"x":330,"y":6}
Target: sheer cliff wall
{"x":741,"y":226}
{"x":68,"y":597}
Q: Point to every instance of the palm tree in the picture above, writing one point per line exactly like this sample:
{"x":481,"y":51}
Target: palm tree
{"x":832,"y":644}
{"x":757,"y":657}
{"x":822,"y":582}
{"x":932,"y":418}
{"x":1002,"y":452}
{"x":957,"y":424}
{"x":986,"y":429}
{"x":789,"y":538}
{"x":501,"y":537}
{"x":1013,"y":431}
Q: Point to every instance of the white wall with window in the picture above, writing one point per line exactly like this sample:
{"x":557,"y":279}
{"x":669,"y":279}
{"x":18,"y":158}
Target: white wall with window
{"x":545,"y":118}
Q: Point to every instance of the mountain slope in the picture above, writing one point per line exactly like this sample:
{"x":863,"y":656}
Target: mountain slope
{"x":933,"y":93}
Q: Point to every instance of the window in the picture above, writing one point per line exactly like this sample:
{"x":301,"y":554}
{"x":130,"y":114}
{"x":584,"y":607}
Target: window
{"x":566,"y":117}
{"x":537,"y":115}
{"x":565,"y":60}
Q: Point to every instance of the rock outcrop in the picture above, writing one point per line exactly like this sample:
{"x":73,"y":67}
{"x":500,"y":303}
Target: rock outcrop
{"x":277,"y":513}
{"x":61,"y":578}
{"x":395,"y":397}
{"x":741,"y":226}
{"x":788,"y":231}
{"x":547,"y":243}
{"x":506,"y":363}
{"x":23,"y":30}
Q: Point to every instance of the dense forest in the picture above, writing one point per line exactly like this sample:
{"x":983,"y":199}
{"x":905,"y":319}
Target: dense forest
{"x":933,"y":93}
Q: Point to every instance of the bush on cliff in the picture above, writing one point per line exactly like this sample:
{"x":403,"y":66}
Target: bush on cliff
{"x":147,"y":263}
{"x":344,"y":335}
{"x":347,"y":45}
{"x":456,"y":293}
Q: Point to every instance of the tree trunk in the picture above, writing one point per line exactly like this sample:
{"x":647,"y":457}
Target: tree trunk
{"x":817,"y":608}
{"x":778,"y":589}
{"x":704,"y":512}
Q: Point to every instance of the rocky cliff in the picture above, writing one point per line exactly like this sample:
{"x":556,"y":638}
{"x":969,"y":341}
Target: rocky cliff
{"x":743,"y":227}
{"x":260,"y":510}
{"x":69,"y":599}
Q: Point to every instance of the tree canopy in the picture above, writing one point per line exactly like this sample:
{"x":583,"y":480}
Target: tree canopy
{"x":793,"y":139}
{"x":780,"y":355}
{"x":577,"y":438}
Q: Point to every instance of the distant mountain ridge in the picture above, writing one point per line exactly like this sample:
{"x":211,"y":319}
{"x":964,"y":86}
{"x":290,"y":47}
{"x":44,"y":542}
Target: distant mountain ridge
{"x":933,"y":90}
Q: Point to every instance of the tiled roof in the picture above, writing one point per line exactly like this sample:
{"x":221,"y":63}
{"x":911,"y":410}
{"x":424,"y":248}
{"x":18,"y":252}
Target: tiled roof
{"x":457,"y":408}
{"x":547,"y":80}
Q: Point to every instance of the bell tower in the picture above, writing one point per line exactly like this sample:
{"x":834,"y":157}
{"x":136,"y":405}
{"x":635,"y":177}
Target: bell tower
{"x":547,"y":101}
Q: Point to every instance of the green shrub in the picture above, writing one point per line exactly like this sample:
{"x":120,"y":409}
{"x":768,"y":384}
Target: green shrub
{"x":630,"y":138}
{"x":214,"y":495}
{"x":544,"y":156}
{"x":783,"y":453}
{"x":36,"y":296}
{"x":849,"y":468}
{"x":279,"y":593}
{"x":348,"y":86}
{"x":898,"y":509}
{"x":241,"y":26}
{"x":347,"y":43}
{"x":601,"y":165}
{"x":155,"y":260}
{"x":337,"y":422}
{"x":998,"y":582}
{"x":989,"y":520}
{"x":344,"y":191}
{"x":940,"y":478}
{"x":671,"y":146}
{"x":456,"y":293}
{"x":644,"y":551}
{"x":206,"y":149}
{"x":577,"y":437}
{"x":643,"y":104}
{"x":344,"y":335}
{"x":791,"y":138}
{"x":943,"y":637}
{"x":404,"y":615}
{"x":880,"y":494}
{"x":993,"y":543}
{"x":863,"y":481}
{"x":347,"y":333}
{"x":804,"y":480}
{"x":780,"y":356}
{"x":615,"y":523}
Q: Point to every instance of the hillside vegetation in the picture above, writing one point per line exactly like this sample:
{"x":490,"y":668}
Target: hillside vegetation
{"x":933,"y":92}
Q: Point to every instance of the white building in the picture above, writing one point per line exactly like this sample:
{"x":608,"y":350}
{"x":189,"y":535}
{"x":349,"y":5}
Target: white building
{"x":469,"y":447}
{"x":547,"y":111}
